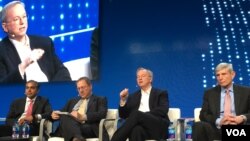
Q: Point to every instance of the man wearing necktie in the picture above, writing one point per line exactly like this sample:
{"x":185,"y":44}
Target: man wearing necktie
{"x":85,"y":113}
{"x":31,"y":109}
{"x":225,"y":104}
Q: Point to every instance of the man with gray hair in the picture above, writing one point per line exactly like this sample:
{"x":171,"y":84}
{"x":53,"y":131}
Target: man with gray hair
{"x":145,"y":111}
{"x":225,"y":104}
{"x":26,"y":57}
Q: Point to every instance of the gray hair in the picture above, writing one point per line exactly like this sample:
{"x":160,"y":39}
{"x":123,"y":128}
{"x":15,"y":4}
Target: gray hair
{"x":6,"y":7}
{"x":224,"y":66}
{"x":147,"y":70}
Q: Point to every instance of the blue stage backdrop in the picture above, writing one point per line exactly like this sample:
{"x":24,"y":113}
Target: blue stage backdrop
{"x":180,"y":41}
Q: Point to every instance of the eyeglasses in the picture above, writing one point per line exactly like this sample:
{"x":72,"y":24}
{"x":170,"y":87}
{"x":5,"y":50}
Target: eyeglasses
{"x":82,"y":88}
{"x":17,"y":19}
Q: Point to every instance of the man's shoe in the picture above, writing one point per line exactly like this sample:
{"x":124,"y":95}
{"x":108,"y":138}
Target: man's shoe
{"x":78,"y":139}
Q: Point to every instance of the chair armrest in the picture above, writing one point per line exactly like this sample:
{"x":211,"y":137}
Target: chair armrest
{"x":102,"y":125}
{"x":45,"y":127}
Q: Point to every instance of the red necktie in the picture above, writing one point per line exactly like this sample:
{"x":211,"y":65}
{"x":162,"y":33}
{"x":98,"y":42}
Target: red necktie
{"x":227,"y":104}
{"x":29,"y":110}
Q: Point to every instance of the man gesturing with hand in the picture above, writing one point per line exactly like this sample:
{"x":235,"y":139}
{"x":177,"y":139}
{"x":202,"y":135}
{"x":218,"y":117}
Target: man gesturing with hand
{"x":26,"y":57}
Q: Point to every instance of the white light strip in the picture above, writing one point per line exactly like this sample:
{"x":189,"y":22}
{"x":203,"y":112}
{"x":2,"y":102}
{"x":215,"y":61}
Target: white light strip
{"x":72,"y":32}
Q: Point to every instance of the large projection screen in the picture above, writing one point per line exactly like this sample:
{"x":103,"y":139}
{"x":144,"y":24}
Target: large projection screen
{"x":70,"y":24}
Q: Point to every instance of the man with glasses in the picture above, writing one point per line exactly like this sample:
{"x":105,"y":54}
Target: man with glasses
{"x":26,"y":57}
{"x":80,"y":117}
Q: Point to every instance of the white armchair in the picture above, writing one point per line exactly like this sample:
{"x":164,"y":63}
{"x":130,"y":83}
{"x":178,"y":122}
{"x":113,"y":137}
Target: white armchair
{"x":174,"y":114}
{"x":109,"y":123}
{"x":197,"y":114}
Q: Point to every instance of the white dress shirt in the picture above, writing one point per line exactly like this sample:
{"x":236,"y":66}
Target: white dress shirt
{"x":33,"y":71}
{"x":144,"y":104}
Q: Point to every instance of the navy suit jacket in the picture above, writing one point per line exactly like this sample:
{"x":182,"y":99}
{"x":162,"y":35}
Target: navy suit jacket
{"x":50,"y":64}
{"x":158,"y":104}
{"x":96,"y":110}
{"x":211,"y":103}
{"x":41,"y":106}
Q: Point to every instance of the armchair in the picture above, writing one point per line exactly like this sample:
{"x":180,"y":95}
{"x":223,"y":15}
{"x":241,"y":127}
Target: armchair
{"x":109,"y":123}
{"x":197,"y":114}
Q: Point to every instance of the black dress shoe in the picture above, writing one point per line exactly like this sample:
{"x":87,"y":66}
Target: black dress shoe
{"x":78,"y":139}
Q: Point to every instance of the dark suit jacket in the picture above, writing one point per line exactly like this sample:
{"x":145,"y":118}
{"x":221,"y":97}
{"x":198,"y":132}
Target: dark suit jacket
{"x":158,"y":104}
{"x":211,"y":103}
{"x":96,"y":110}
{"x":49,"y":63}
{"x":41,"y":106}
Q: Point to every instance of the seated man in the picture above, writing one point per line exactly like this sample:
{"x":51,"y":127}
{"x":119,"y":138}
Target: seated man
{"x":225,"y":104}
{"x":84,"y":114}
{"x":31,"y":109}
{"x":145,"y":111}
{"x":26,"y":57}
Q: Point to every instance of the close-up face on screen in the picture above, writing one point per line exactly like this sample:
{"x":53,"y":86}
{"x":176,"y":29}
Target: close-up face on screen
{"x":48,"y":41}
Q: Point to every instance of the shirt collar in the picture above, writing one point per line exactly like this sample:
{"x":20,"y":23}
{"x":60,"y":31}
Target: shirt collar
{"x":230,"y":89}
{"x":147,"y":91}
{"x":26,"y":43}
{"x":28,"y":99}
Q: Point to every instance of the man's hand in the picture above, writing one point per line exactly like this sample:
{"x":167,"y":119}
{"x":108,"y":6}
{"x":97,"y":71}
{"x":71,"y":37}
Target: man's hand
{"x":28,"y":119}
{"x":123,"y":96}
{"x":74,"y":113}
{"x":36,"y":54}
{"x":55,"y":115}
{"x":232,"y":120}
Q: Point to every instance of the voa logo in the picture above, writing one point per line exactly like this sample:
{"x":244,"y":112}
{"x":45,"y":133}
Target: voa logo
{"x":236,"y":132}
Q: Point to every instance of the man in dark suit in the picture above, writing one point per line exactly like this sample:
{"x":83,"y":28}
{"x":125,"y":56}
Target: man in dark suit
{"x":19,"y":112}
{"x":85,"y":114}
{"x":24,"y":57}
{"x":145,"y":111}
{"x":214,"y":113}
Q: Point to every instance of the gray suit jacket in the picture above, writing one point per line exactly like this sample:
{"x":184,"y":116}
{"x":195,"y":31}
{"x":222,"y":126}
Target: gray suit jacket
{"x":211,"y":103}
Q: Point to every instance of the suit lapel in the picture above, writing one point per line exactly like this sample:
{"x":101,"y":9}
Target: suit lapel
{"x":22,"y":106}
{"x":217,"y":100}
{"x":91,"y":100}
{"x":35,"y":104}
{"x":12,"y":52}
{"x":236,"y":98}
{"x":138,"y":99}
{"x":151,"y":98}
